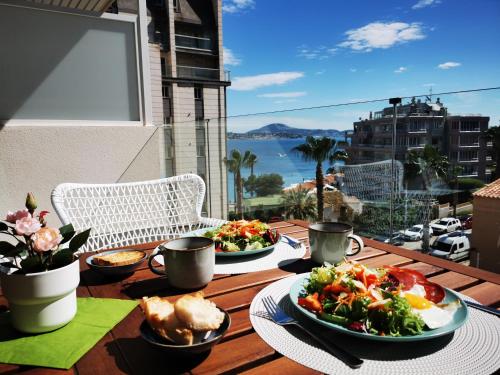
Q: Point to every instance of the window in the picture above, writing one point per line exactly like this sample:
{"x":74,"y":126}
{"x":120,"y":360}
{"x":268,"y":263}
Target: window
{"x":176,"y":6}
{"x":163,"y":67}
{"x":468,"y":155}
{"x":460,"y":246}
{"x":169,"y":152}
{"x":198,"y":93}
{"x":198,"y":103}
{"x":165,"y":91}
{"x":469,"y":126}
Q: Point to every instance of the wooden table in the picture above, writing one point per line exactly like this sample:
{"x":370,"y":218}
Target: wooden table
{"x":242,"y":350}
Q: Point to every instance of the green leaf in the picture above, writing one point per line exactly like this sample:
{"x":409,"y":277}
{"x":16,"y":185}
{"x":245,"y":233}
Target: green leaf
{"x":3,"y":226}
{"x":62,"y":258}
{"x":79,"y":240}
{"x":66,"y":229}
{"x":6,"y":247}
{"x":31,"y":264}
{"x":67,"y":232}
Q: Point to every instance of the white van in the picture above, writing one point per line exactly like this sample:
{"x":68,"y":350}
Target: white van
{"x":446,"y":225}
{"x":454,"y":246}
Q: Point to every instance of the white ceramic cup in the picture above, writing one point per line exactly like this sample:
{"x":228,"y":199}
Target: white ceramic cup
{"x":331,"y":242}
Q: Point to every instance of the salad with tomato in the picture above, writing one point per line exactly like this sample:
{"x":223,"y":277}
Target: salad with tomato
{"x":386,"y":301}
{"x":242,"y":235}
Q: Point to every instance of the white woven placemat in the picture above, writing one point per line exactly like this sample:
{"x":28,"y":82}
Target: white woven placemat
{"x":282,"y":255}
{"x":472,"y":349}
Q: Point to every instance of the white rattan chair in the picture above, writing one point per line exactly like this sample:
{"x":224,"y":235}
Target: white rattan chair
{"x":132,"y":213}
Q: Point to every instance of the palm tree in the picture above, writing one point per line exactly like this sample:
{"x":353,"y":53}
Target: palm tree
{"x":426,"y":164}
{"x":453,"y":174}
{"x":252,"y":160}
{"x":299,"y":205}
{"x":320,"y":150}
{"x":235,"y":164}
{"x":493,"y":135}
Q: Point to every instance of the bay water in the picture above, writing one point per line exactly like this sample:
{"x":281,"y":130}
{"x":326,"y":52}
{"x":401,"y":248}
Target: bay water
{"x":274,"y":156}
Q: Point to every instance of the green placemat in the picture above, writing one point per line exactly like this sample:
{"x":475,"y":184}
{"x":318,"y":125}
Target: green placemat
{"x":63,"y":347}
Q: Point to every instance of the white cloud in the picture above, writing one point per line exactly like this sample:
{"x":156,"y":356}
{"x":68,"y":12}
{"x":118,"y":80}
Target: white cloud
{"x":449,"y":65}
{"x":353,"y":70}
{"x":315,"y":53}
{"x":320,"y":72}
{"x":382,"y":35}
{"x":425,"y":3}
{"x":230,"y":58}
{"x":401,"y":69}
{"x":263,"y":80}
{"x":235,"y":6}
{"x":291,"y":94}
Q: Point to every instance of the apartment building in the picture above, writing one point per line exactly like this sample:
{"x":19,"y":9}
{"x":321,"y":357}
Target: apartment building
{"x":419,"y":124}
{"x":188,"y":89}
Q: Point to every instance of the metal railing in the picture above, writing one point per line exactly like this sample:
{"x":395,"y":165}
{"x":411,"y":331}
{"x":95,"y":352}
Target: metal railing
{"x":193,"y":43}
{"x":195,"y":72}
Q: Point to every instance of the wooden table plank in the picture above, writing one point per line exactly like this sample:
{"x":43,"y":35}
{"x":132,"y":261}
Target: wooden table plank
{"x":236,"y":355}
{"x":453,"y":280}
{"x":486,"y":293}
{"x":387,"y":259}
{"x":282,"y":365}
{"x":427,"y":270}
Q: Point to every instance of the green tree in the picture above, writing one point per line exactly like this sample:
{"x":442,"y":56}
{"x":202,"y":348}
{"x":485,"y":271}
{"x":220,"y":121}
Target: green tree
{"x":265,"y":184}
{"x":493,"y":135}
{"x":252,"y":160}
{"x":426,"y":164}
{"x":299,"y":205}
{"x":235,"y":164}
{"x":320,"y":150}
{"x":453,"y":173}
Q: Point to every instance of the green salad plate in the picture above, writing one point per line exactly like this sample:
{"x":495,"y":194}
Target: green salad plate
{"x":459,"y":318}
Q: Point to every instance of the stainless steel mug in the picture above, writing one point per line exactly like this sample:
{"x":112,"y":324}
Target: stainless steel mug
{"x":189,"y":262}
{"x":331,"y":242}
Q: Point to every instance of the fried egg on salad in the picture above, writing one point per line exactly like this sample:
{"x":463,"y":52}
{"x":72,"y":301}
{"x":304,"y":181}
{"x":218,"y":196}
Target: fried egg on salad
{"x":434,"y":316}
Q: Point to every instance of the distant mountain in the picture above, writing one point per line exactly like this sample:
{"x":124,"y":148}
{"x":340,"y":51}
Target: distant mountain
{"x":277,"y":130}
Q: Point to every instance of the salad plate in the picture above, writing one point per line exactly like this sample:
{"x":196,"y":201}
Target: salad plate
{"x":229,"y":239}
{"x":459,"y":317}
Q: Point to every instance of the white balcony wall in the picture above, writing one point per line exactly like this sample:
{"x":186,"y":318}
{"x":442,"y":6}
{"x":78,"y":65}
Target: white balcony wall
{"x":70,"y":105}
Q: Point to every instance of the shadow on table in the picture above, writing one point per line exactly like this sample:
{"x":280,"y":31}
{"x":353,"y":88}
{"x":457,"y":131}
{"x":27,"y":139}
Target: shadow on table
{"x":146,"y":359}
{"x":298,"y":266}
{"x":363,"y":348}
{"x":91,"y":278}
{"x":157,"y":286}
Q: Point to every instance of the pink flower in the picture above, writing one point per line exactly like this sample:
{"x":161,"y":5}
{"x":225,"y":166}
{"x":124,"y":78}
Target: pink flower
{"x":27,"y":226}
{"x":46,"y":239}
{"x":12,"y":217}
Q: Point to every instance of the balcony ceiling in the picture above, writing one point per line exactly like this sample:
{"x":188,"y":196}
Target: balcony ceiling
{"x":97,"y":6}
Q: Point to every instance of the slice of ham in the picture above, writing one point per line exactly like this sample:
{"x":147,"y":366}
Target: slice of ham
{"x":408,"y":278}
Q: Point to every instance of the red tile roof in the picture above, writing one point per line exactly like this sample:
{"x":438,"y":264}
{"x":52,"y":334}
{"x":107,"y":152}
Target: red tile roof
{"x":491,"y":190}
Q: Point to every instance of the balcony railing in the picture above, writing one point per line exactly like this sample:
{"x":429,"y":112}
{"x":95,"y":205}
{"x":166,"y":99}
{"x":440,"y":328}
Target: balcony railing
{"x":200,"y":73}
{"x":194,"y":43}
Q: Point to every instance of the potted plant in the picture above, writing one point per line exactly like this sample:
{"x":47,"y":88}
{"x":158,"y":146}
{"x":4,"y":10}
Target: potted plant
{"x":38,"y":276}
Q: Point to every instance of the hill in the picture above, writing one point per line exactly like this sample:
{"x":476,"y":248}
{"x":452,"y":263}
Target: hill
{"x":277,"y":130}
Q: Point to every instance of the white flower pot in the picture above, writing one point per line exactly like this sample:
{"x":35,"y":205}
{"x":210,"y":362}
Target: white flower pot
{"x":43,"y":301}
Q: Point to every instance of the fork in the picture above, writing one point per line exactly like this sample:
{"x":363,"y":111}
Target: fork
{"x":280,"y":317}
{"x":293,"y":243}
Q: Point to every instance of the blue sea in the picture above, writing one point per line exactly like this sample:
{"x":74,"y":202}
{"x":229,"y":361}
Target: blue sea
{"x":274,"y":156}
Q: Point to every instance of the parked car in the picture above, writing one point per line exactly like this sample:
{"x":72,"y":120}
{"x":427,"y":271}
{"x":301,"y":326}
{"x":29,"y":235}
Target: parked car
{"x":453,"y":246}
{"x":466,"y":222}
{"x":446,"y":225}
{"x":397,"y":239}
{"x":415,"y":233}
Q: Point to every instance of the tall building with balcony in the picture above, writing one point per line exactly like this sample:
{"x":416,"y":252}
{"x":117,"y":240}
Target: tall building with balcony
{"x":188,"y":87}
{"x":419,"y":124}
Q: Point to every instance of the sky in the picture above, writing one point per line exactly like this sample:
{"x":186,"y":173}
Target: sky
{"x":286,"y":54}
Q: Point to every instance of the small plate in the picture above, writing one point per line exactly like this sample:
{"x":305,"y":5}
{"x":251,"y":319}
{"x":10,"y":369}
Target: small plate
{"x":459,"y":318}
{"x":115,"y":270}
{"x":215,"y":336}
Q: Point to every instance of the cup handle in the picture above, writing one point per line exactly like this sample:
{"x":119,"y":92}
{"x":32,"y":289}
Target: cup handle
{"x":361,"y":245}
{"x":150,"y":262}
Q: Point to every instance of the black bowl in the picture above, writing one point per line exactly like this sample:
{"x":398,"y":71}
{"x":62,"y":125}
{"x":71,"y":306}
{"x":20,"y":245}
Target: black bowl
{"x":215,"y":336}
{"x":115,"y":270}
